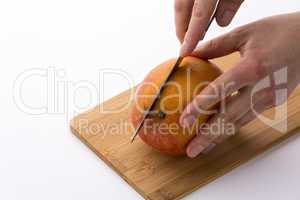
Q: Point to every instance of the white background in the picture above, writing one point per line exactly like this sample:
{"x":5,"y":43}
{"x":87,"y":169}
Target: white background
{"x":40,"y":158}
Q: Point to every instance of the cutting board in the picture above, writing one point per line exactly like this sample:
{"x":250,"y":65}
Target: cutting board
{"x":159,"y":177}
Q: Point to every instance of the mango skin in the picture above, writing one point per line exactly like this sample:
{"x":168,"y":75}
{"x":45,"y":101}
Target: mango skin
{"x":189,"y":79}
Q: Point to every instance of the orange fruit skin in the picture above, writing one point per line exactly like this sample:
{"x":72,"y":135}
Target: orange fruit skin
{"x":189,"y":79}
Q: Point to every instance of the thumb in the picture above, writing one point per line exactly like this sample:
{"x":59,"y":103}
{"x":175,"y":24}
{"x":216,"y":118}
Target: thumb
{"x":223,"y":45}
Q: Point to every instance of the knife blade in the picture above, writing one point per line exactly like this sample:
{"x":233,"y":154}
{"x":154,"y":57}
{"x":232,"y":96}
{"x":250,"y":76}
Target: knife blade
{"x":140,"y":125}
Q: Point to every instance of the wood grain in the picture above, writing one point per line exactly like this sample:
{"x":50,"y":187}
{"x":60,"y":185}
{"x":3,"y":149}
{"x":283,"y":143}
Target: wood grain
{"x":159,"y":177}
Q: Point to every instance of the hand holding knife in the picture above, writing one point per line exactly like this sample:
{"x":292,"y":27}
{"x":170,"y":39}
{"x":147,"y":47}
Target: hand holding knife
{"x":176,"y":65}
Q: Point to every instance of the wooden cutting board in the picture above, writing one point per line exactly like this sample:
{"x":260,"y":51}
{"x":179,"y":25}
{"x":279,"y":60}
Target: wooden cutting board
{"x":160,"y":177}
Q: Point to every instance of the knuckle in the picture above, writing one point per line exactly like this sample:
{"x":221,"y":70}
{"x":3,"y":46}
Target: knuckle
{"x":239,"y":35}
{"x":256,"y":68}
{"x":207,"y":136}
{"x":240,"y":32}
{"x":212,"y":44}
{"x":260,"y":70}
{"x":198,"y":11}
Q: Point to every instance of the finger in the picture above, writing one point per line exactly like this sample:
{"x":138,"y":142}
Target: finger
{"x":247,"y":118}
{"x":199,"y":144}
{"x":226,"y":11}
{"x":247,"y":71}
{"x":244,"y":120}
{"x":227,"y":100}
{"x":183,"y":11}
{"x":222,"y":45}
{"x":221,"y":125}
{"x":232,"y":80}
{"x":220,"y":138}
{"x":263,"y":101}
{"x":201,"y":14}
{"x":223,"y":137}
{"x":260,"y":105}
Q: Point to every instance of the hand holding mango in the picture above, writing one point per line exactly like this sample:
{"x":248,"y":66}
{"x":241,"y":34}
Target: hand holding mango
{"x":267,"y":47}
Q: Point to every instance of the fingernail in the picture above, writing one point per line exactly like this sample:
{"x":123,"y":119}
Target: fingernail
{"x":226,"y":17}
{"x":195,"y":151}
{"x":209,"y":148}
{"x":188,"y":120}
{"x":184,"y":49}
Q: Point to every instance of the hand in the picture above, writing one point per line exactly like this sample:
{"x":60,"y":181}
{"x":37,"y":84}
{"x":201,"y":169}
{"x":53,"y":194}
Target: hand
{"x":192,"y":18}
{"x":268,"y":48}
